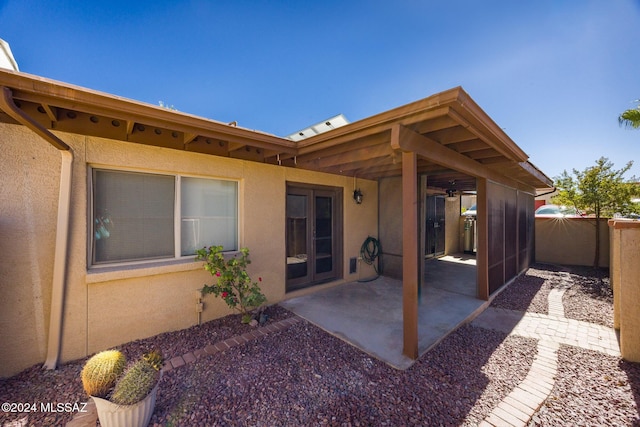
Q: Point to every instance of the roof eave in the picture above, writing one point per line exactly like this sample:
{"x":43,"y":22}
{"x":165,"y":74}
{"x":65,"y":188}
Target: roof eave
{"x":38,"y":89}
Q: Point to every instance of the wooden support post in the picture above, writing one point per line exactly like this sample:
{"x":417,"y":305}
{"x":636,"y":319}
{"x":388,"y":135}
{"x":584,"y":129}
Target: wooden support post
{"x":422,"y":215}
{"x":410,"y":245}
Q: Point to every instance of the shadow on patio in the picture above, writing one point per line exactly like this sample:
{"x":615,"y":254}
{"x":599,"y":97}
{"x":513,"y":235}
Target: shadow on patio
{"x":368,"y":315}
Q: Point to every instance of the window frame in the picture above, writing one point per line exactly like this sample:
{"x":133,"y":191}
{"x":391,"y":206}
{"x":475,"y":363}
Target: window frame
{"x":177,"y":222}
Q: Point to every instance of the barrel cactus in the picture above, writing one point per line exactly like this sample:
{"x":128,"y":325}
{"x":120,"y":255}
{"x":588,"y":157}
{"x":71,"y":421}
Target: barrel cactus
{"x":101,"y":371}
{"x":138,"y":380}
{"x":154,"y":359}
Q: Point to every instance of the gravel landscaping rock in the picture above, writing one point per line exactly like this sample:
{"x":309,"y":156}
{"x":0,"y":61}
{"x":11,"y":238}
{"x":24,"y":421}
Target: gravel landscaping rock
{"x":590,"y":297}
{"x":304,"y":376}
{"x":591,"y":389}
{"x":530,"y":291}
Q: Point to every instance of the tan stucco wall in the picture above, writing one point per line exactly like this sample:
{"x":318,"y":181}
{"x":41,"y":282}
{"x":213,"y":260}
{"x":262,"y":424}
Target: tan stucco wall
{"x":452,"y":235}
{"x":27,"y":215}
{"x":390,"y":206}
{"x":625,"y":275}
{"x":570,"y":241}
{"x":614,"y":271}
{"x":107,"y":308}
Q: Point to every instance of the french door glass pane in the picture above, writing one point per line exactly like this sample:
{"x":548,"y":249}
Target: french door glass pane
{"x":324,"y":234}
{"x":209,"y":210}
{"x":133,"y":216}
{"x":296,"y":236}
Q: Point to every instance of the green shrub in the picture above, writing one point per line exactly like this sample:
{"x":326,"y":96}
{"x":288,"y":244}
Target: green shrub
{"x":233,"y":283}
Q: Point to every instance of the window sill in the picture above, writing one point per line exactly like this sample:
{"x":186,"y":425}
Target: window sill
{"x":120,"y":272}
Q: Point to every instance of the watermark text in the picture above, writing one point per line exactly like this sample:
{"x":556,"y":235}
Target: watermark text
{"x":22,"y":407}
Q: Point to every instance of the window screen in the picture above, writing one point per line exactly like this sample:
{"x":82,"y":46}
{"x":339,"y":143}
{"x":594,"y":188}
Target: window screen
{"x":209,"y":211}
{"x":133,"y":216}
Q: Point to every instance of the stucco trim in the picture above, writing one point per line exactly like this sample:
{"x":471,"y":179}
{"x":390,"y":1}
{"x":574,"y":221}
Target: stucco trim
{"x":112,"y":273}
{"x":623,"y":223}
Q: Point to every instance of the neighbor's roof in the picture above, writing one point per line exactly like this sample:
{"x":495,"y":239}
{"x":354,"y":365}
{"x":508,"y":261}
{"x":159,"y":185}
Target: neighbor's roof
{"x":6,"y":57}
{"x":454,"y":138}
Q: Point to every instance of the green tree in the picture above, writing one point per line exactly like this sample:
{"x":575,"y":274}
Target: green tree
{"x":600,"y":191}
{"x":630,"y":118}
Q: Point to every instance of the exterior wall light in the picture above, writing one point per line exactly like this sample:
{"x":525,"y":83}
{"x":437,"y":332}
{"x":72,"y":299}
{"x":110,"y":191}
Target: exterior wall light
{"x":357,"y":196}
{"x":451,"y":195}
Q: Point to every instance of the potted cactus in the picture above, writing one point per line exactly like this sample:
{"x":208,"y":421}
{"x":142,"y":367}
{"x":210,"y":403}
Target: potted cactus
{"x":123,"y":397}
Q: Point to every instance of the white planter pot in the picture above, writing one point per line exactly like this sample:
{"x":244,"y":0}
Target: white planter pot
{"x":136,"y":415}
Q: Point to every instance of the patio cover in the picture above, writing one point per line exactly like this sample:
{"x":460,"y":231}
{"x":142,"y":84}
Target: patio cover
{"x":450,"y":139}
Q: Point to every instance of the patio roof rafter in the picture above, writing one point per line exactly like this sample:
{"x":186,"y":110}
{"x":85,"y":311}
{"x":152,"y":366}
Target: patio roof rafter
{"x":468,"y":146}
{"x":371,"y":126}
{"x":408,"y":140}
{"x":357,"y":144}
{"x":485,"y":128}
{"x":372,"y":152}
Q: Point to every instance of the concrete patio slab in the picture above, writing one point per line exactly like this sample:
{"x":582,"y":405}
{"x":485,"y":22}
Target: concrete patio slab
{"x":369,"y":315}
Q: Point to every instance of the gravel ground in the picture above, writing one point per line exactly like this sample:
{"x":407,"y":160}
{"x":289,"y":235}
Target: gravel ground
{"x":530,"y":291}
{"x":588,"y":294}
{"x":590,"y":297}
{"x":303,"y":376}
{"x":591,"y":389}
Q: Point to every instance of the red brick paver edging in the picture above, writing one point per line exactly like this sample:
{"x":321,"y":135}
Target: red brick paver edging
{"x":192,"y":356}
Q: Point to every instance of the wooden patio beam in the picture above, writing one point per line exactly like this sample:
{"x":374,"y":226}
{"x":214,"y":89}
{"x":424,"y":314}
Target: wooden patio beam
{"x":405,"y":139}
{"x":362,"y":143}
{"x":368,"y":127}
{"x":357,"y":167}
{"x":364,"y":154}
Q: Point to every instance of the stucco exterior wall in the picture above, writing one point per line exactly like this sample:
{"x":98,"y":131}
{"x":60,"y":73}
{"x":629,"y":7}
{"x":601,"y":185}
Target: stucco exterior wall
{"x":452,"y":233}
{"x":27,"y":214}
{"x":107,"y":307}
{"x":390,"y":206}
{"x":625,"y":277}
{"x":570,"y":241}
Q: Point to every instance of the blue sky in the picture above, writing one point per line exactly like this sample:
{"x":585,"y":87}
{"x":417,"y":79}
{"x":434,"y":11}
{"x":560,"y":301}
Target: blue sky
{"x":554,"y":74}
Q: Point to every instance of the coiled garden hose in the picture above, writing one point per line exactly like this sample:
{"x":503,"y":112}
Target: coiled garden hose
{"x":369,"y":252}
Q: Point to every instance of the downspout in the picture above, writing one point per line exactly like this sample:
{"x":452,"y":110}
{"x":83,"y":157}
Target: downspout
{"x":62,"y":229}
